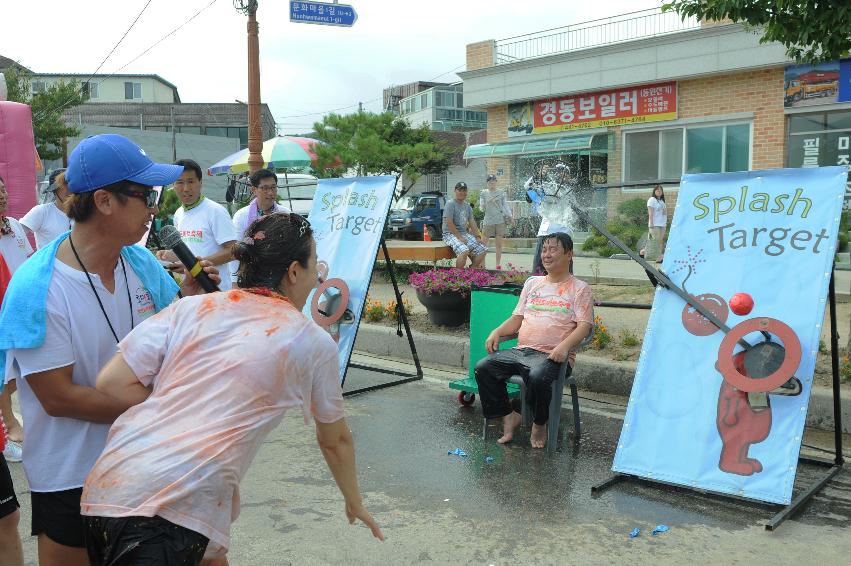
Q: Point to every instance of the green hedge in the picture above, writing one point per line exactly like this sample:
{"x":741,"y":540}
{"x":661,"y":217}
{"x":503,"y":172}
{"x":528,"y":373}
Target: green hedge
{"x":629,"y":227}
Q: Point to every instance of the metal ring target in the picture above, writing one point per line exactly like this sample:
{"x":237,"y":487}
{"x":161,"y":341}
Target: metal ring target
{"x":791,"y":360}
{"x":326,"y":320}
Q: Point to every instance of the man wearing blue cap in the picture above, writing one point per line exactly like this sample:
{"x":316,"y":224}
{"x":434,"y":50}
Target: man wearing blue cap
{"x":65,"y":311}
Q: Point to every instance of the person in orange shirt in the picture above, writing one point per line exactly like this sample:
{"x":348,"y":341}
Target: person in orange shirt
{"x":554,"y":314}
{"x":208,"y":379}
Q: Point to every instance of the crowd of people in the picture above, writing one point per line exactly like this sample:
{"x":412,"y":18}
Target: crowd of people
{"x":132,"y":448}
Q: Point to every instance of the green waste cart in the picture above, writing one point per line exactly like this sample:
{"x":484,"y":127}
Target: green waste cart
{"x":489,"y":307}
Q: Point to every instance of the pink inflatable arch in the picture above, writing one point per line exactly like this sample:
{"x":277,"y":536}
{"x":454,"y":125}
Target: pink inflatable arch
{"x":17,"y":157}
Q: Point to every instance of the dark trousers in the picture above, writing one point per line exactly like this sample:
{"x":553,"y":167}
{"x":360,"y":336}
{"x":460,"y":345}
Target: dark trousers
{"x":538,"y":374}
{"x":142,"y":541}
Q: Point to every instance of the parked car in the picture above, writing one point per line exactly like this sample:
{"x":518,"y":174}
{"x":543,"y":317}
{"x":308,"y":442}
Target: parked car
{"x":413,"y":214}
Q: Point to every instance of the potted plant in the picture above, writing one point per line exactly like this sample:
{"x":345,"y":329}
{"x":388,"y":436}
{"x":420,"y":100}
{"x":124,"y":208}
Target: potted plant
{"x":445,"y":293}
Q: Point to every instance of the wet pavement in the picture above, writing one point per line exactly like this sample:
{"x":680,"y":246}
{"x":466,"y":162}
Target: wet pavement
{"x":525,"y":507}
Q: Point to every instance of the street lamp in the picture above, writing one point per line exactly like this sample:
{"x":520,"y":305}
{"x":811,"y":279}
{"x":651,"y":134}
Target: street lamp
{"x":255,"y":135}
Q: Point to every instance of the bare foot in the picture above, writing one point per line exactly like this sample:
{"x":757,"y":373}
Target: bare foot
{"x":509,"y":423}
{"x":539,"y":436}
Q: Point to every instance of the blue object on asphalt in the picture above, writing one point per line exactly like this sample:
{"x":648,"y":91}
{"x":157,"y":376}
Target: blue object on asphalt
{"x":634,"y":532}
{"x":659,"y":529}
{"x":457,"y":452}
{"x":489,"y":459}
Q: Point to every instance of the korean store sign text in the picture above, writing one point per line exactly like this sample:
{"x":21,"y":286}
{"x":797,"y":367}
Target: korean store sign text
{"x":633,"y":105}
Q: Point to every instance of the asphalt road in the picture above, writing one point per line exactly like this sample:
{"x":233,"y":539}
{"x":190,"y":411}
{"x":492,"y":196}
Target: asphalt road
{"x":525,"y":507}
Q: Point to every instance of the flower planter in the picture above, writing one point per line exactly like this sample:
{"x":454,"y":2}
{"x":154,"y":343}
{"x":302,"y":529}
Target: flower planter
{"x":446,"y":309}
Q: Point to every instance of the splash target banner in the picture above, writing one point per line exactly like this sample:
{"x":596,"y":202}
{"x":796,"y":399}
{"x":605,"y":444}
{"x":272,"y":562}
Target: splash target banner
{"x":725,"y":410}
{"x":347,"y":218}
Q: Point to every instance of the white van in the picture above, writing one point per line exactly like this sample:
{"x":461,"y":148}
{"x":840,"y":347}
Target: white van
{"x":296,"y":190}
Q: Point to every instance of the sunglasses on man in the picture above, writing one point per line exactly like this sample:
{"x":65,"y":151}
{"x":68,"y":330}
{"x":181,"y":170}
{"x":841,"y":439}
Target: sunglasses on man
{"x":150,"y":196}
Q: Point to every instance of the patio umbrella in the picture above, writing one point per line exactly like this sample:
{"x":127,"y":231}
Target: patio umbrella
{"x":281,"y":152}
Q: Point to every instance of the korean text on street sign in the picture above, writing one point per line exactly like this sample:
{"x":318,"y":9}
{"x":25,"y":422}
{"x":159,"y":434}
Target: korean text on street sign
{"x":323,"y":13}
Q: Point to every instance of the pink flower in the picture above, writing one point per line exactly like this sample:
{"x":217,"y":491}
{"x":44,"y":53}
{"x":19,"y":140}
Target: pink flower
{"x":437,"y":281}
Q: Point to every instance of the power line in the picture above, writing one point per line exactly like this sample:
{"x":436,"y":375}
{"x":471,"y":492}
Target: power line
{"x":356,"y":103}
{"x":145,"y":7}
{"x":330,"y":110}
{"x":447,"y":72}
{"x":108,"y":55}
{"x":169,"y":34}
{"x":163,"y":38}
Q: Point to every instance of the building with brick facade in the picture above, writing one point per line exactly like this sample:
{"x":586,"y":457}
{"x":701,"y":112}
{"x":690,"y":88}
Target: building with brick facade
{"x":632,"y":101}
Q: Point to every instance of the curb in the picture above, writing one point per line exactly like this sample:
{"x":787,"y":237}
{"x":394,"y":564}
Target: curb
{"x":592,"y":374}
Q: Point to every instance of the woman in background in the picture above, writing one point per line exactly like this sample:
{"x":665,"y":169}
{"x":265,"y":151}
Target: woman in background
{"x":657,"y":221}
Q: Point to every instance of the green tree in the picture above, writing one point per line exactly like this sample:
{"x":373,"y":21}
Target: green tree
{"x":811,"y":31}
{"x":47,"y":107}
{"x":169,"y":203}
{"x":377,"y":144}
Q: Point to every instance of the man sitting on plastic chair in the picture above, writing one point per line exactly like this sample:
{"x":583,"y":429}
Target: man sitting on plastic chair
{"x":554,"y":314}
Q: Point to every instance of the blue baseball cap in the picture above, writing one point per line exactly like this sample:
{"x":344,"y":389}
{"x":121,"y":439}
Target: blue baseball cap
{"x":105,"y":159}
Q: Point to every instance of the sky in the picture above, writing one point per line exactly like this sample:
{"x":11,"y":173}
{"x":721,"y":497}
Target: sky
{"x":306,"y":70}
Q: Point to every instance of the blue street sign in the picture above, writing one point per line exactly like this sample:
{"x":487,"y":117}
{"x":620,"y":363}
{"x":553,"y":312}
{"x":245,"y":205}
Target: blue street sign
{"x":323,"y":13}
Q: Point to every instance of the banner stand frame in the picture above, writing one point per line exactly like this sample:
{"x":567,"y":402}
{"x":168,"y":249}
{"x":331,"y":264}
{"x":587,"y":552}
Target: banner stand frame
{"x":406,"y":377}
{"x":831,"y":467}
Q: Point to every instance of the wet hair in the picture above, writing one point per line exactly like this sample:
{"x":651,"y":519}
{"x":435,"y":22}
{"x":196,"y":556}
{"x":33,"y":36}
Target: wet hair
{"x":564,"y":238}
{"x":80,"y":206}
{"x":653,"y":193}
{"x":261,"y":174}
{"x":271,"y":246}
{"x":190,"y":165}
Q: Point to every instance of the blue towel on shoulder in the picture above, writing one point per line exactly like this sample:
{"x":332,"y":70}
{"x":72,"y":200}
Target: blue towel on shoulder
{"x":24,"y":314}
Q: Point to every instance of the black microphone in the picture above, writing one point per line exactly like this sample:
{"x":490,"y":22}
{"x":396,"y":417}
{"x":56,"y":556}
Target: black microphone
{"x":170,"y":238}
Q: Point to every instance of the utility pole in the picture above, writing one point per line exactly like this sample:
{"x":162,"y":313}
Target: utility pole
{"x":360,"y":107}
{"x":255,"y":134}
{"x":173,"y":138}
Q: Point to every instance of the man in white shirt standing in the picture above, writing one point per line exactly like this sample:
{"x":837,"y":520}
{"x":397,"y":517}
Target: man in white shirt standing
{"x":264,"y":190}
{"x":48,"y":220}
{"x":204,"y":225}
{"x":65,"y":311}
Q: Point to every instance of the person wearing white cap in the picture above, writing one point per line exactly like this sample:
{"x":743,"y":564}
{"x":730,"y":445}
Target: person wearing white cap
{"x":65,"y":311}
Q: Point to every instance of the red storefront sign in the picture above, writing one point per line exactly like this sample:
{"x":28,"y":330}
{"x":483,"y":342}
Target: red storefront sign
{"x":633,"y":105}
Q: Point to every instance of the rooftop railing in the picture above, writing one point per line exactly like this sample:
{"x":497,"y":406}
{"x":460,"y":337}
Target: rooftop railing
{"x":585,"y":35}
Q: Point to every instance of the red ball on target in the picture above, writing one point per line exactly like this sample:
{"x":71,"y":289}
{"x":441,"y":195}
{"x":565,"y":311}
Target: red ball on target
{"x":741,"y":303}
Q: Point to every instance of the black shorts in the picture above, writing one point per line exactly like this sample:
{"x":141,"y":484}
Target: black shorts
{"x":56,"y":514}
{"x":8,"y":502}
{"x":142,"y":541}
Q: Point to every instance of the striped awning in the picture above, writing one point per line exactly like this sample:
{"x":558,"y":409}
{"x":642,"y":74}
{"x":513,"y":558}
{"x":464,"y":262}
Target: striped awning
{"x":575,"y":142}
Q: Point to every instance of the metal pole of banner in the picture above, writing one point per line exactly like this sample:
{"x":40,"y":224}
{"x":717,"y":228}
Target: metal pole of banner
{"x":404,"y":317}
{"x":838,"y":461}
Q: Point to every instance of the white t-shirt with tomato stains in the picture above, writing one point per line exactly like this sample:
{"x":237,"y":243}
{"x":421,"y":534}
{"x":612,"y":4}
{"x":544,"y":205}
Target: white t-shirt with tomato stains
{"x":223,"y":368}
{"x":551,"y":311}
